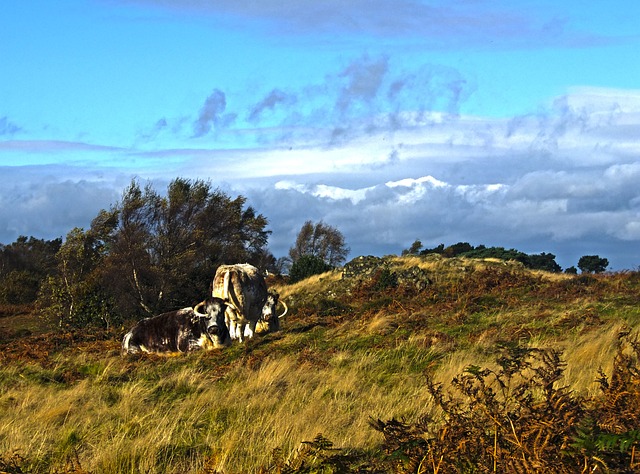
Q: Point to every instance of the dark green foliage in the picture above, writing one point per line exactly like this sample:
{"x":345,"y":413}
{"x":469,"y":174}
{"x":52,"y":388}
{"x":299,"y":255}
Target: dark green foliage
{"x":75,"y":295}
{"x":458,"y":249}
{"x":24,"y":265}
{"x":543,"y":261}
{"x":592,"y":264}
{"x":571,"y":270}
{"x":306,"y":266}
{"x":19,"y":287}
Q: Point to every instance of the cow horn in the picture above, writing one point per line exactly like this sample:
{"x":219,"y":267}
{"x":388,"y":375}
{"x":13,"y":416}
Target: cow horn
{"x":285,"y":309}
{"x":197,"y":307}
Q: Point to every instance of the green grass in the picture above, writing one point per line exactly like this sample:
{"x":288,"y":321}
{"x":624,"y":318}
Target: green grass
{"x":348,"y":353}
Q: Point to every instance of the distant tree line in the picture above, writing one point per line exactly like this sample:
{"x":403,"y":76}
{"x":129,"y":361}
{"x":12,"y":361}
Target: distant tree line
{"x":542,"y":261}
{"x":150,"y":253}
{"x":23,"y":265}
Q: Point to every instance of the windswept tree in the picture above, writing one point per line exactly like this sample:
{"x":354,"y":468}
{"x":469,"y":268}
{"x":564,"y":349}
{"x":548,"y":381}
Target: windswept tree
{"x":320,"y":240}
{"x":167,"y":248}
{"x":319,"y":247}
{"x":158,"y":252}
{"x":415,"y":248}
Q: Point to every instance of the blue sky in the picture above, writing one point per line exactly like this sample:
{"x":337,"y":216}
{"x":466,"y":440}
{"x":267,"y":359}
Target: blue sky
{"x":514,"y":124}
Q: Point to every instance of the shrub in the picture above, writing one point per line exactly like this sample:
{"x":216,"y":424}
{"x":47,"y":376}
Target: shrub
{"x":517,"y":419}
{"x":306,"y":266}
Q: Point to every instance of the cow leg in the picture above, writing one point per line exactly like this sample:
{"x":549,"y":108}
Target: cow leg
{"x":251,"y":329}
{"x":231,"y":326}
{"x":231,"y":320}
{"x":240,"y":331}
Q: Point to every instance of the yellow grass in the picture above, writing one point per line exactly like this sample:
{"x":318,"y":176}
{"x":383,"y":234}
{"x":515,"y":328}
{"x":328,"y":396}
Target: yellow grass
{"x":184,"y":415}
{"x":240,"y":419}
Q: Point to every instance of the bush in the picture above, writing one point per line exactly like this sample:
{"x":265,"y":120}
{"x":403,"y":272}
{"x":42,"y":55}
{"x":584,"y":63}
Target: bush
{"x":517,"y":419}
{"x":306,"y":266}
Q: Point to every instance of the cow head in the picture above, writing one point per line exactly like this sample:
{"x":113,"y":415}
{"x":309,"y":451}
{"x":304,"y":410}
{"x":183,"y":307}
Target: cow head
{"x":211,"y":313}
{"x":269,"y":311}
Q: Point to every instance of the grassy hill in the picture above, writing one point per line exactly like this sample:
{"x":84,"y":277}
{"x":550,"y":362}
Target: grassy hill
{"x":412,"y":365}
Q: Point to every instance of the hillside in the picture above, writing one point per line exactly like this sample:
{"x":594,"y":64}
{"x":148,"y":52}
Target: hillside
{"x":351,"y":383}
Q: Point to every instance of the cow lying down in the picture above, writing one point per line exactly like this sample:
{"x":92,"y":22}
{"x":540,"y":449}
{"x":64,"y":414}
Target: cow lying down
{"x":183,"y":330}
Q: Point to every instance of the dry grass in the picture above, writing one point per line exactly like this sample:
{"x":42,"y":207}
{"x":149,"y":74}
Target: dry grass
{"x":69,"y":404}
{"x":177,"y":422}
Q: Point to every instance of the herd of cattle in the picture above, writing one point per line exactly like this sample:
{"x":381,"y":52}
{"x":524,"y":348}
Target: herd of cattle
{"x":238,"y":301}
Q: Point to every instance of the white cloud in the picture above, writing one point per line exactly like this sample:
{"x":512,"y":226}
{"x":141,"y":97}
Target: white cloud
{"x":48,"y":207}
{"x":411,"y":182}
{"x":564,"y":179}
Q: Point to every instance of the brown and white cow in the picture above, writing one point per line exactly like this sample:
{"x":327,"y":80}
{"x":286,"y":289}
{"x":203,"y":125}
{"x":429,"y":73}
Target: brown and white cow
{"x":183,"y":330}
{"x":244,"y":290}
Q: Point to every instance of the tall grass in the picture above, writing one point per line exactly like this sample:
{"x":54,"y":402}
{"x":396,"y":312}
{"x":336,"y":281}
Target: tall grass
{"x":180,"y":421}
{"x":346,"y":355}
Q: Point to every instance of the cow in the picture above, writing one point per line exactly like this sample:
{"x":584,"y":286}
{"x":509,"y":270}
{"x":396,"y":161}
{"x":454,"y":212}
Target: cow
{"x":244,"y":290}
{"x":182,"y":330}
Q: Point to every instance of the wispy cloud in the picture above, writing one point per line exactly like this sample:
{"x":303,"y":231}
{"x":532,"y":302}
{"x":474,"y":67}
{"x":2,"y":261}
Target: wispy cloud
{"x":212,"y":114}
{"x":554,"y":181}
{"x":7,"y":127}
{"x":442,"y":24}
{"x":51,"y":146}
{"x":438,"y":25}
{"x":277,"y":98}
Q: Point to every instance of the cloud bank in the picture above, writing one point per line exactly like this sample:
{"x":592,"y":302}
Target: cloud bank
{"x":379,"y":151}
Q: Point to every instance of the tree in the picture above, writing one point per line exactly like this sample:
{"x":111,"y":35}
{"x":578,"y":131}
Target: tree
{"x":458,"y":249}
{"x":150,"y":253}
{"x":163,"y":250}
{"x":543,"y":261}
{"x":320,"y":240}
{"x":74,"y":295}
{"x":19,"y":287}
{"x":437,"y":250}
{"x":414,"y":249}
{"x":592,"y":264}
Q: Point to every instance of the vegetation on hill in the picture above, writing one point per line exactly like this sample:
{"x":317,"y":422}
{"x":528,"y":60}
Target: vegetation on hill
{"x":406,"y":364}
{"x":542,"y":261}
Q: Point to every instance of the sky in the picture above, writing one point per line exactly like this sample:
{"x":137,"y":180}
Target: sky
{"x":500,"y":123}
